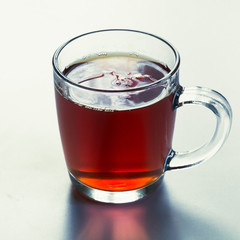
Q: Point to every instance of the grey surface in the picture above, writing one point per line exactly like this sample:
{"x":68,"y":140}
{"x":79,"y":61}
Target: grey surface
{"x":36,"y":198}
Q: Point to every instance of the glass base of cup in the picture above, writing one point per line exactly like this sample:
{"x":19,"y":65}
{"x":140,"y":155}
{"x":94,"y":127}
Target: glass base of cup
{"x":112,"y":196}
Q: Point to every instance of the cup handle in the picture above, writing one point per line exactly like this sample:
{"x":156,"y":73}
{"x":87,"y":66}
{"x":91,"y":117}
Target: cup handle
{"x":222,"y":110}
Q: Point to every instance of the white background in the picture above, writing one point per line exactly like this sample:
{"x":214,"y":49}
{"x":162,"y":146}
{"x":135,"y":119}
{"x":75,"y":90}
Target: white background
{"x":36,"y":199}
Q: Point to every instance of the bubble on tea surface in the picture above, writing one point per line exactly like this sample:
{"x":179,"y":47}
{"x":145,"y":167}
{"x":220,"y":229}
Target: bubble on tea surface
{"x":116,"y":73}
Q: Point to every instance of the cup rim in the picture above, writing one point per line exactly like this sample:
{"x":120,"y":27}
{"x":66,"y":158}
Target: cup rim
{"x":167,"y":76}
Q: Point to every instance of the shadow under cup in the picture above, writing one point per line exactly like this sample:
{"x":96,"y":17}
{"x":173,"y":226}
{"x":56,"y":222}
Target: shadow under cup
{"x":118,"y":141}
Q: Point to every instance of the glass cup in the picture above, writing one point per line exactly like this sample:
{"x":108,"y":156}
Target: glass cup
{"x":117,"y":92}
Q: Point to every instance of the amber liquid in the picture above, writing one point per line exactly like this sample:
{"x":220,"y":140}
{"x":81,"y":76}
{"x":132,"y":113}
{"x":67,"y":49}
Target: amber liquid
{"x":118,"y":150}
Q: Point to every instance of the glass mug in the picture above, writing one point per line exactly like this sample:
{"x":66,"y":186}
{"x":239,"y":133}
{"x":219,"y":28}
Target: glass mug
{"x":117,"y":92}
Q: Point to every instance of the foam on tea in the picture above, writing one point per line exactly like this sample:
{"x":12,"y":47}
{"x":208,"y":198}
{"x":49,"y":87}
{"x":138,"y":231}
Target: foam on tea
{"x":113,"y":74}
{"x":116,"y":72}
